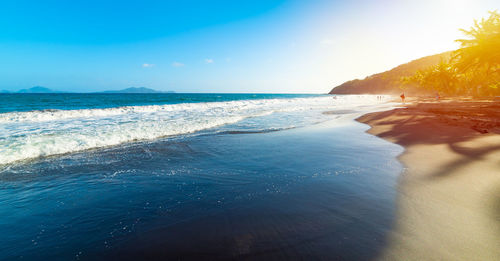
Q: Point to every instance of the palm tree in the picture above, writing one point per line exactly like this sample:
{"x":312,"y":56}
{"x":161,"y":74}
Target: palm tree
{"x":474,"y":69}
{"x":482,"y":50}
{"x":440,"y":78}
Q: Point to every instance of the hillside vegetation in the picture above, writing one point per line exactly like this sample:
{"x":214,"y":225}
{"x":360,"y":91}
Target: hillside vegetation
{"x":471,"y":70}
{"x":389,"y":82}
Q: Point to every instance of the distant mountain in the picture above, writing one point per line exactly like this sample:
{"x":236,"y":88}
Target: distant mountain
{"x":40,"y":89}
{"x":37,"y":89}
{"x":136,"y":90}
{"x":388,"y":82}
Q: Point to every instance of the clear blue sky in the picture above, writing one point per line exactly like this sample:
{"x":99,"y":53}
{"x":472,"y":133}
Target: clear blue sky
{"x":219,"y":46}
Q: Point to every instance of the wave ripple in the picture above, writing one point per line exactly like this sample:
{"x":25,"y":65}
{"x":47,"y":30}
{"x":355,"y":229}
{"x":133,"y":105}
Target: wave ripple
{"x":32,"y":134}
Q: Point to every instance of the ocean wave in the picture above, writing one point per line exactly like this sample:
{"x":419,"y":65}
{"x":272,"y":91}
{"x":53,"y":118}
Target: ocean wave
{"x":33,"y":134}
{"x":52,"y":115}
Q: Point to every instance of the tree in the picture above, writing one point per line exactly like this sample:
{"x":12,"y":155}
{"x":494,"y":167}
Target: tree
{"x":474,"y":69}
{"x":482,"y":50}
{"x":440,"y":78}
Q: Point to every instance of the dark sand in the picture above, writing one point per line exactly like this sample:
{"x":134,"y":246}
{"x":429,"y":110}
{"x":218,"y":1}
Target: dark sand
{"x":448,"y":205}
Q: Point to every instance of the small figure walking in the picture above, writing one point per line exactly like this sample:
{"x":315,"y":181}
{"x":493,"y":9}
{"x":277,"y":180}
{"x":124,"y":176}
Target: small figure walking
{"x":403,"y":97}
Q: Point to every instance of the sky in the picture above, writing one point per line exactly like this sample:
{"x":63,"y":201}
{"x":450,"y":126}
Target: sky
{"x":258,"y":46}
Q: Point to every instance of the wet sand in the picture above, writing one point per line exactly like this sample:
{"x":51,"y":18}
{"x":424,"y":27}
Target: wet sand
{"x":448,"y":205}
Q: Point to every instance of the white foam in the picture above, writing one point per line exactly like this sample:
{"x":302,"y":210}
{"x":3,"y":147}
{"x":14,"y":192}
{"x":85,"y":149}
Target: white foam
{"x":26,"y":135}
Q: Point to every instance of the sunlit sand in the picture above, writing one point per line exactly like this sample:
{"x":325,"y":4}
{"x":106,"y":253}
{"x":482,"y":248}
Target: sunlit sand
{"x":448,"y":203}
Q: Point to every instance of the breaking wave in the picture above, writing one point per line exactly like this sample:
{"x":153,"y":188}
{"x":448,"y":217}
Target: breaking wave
{"x":32,"y":134}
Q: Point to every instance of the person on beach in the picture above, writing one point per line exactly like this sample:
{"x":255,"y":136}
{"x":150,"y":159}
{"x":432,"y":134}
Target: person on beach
{"x":437,"y":96}
{"x":403,"y":97}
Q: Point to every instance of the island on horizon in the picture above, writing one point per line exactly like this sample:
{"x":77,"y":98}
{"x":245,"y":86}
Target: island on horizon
{"x":135,"y":90}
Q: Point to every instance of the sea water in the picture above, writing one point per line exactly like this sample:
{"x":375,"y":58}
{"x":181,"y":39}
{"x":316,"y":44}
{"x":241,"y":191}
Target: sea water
{"x":192,"y":176}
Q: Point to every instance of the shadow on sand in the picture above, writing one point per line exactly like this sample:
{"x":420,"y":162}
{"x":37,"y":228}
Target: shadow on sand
{"x":468,"y":129}
{"x":451,"y":123}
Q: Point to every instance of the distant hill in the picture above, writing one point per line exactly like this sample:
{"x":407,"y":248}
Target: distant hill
{"x":136,"y":90}
{"x":388,"y":82}
{"x":37,"y":89}
{"x":40,"y":89}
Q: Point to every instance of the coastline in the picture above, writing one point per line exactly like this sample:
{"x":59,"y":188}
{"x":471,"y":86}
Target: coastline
{"x":448,"y":203}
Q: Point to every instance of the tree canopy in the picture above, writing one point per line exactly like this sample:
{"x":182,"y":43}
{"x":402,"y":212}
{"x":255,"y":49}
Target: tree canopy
{"x":473,"y":69}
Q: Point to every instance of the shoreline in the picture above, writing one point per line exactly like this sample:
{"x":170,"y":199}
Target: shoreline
{"x":448,"y":202}
{"x":323,"y":191}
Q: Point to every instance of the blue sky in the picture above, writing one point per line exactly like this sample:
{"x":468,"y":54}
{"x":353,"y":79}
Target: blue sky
{"x":220,"y":46}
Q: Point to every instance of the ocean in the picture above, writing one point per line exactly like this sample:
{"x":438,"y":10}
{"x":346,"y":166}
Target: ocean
{"x":193,"y":176}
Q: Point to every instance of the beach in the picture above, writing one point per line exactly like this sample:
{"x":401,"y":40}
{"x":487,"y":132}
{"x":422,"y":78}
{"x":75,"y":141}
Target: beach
{"x":279,"y":177}
{"x":448,"y":203}
{"x":257,"y":130}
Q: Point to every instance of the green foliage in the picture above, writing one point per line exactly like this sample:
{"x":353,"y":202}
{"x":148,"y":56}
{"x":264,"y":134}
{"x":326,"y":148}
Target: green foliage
{"x":482,"y":50}
{"x":389,"y":81}
{"x":474,"y":69}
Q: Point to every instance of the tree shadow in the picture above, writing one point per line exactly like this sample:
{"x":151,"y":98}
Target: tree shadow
{"x":496,"y":209}
{"x":452,"y":123}
{"x":464,"y":128}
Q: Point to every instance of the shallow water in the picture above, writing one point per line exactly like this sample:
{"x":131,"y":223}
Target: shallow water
{"x":57,"y":127}
{"x":321,"y":192}
{"x":270,"y":187}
